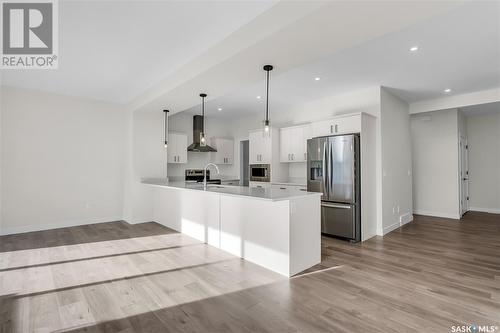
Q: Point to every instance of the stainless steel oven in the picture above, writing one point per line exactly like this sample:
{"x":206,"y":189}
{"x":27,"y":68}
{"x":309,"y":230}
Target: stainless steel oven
{"x":260,"y":173}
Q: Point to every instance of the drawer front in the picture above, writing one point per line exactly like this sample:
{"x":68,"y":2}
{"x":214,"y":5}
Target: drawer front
{"x":259,"y":185}
{"x":289,"y":187}
{"x":338,"y":220}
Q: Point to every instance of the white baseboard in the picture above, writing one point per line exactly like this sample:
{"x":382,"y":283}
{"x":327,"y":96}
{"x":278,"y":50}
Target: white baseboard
{"x":437,"y":214}
{"x":138,"y":220}
{"x":56,"y":225}
{"x":485,"y":210}
{"x":396,"y":225}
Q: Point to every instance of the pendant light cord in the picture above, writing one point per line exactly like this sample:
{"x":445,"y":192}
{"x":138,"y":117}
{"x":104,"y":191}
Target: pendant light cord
{"x":267,"y":68}
{"x":166,"y":126}
{"x":203,"y":112}
{"x":267,"y":97}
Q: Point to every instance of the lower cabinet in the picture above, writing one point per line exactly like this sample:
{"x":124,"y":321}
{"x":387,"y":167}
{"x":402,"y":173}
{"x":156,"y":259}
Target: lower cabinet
{"x":259,"y":184}
{"x":230,"y":182}
{"x":289,"y":187}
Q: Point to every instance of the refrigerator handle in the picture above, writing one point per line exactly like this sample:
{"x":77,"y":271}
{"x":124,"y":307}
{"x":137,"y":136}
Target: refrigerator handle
{"x":355,"y":165}
{"x":325,"y":172}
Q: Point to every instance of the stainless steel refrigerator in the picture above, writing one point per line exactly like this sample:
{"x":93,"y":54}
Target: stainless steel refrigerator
{"x":333,"y":168}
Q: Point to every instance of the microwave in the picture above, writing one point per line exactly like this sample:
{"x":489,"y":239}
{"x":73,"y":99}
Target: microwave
{"x":260,"y":173}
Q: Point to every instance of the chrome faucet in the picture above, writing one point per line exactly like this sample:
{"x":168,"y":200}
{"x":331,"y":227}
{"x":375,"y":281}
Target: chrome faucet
{"x":205,"y":174}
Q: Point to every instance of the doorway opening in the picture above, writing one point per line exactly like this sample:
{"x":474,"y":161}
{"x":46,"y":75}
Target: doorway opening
{"x":464,"y":174}
{"x":244,"y":162}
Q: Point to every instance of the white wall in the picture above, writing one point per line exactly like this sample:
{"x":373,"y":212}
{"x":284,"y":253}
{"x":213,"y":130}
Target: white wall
{"x":146,"y":157}
{"x":435,"y":163}
{"x":63,"y":160}
{"x":483,"y":133}
{"x":396,"y":162}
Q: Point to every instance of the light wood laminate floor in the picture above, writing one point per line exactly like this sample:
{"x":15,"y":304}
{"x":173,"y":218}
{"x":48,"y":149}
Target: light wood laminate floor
{"x":114,"y":277}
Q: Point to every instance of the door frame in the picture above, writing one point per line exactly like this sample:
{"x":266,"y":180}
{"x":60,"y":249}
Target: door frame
{"x":463,"y":172}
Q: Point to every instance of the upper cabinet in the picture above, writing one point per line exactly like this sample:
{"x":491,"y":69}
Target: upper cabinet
{"x":177,"y":148}
{"x":338,"y":125}
{"x":225,"y":151}
{"x":260,"y":149}
{"x":293,"y":143}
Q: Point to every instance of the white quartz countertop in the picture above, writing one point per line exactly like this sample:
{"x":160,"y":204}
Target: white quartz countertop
{"x":271,"y":194}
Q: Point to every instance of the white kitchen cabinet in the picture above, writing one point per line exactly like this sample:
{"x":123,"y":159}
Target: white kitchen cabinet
{"x":293,"y":143}
{"x":177,"y":148}
{"x":289,"y":187}
{"x":338,"y":125}
{"x":259,"y":185}
{"x":234,"y":182}
{"x":260,"y":149}
{"x":225,"y":151}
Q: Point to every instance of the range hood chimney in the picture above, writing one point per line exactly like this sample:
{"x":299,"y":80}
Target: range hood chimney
{"x":197,"y":129}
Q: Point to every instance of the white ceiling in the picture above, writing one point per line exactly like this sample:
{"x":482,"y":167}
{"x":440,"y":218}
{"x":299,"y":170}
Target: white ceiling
{"x":155,"y":55}
{"x":116,"y":50}
{"x":481,"y":109}
{"x":459,"y":49}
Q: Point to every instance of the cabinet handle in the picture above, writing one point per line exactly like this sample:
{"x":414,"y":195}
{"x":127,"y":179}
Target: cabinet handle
{"x":336,"y":128}
{"x":331,"y":128}
{"x":175,"y":158}
{"x":293,"y":157}
{"x":282,"y":188}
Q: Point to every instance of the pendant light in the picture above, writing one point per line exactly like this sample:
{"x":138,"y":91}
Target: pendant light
{"x":267,"y":122}
{"x":166,"y":127}
{"x":203,"y":141}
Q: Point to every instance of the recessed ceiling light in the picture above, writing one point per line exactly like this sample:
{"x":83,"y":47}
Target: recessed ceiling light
{"x":258,"y":97}
{"x":220,"y":109}
{"x":317,"y":78}
{"x":447,"y":90}
{"x":413,"y":48}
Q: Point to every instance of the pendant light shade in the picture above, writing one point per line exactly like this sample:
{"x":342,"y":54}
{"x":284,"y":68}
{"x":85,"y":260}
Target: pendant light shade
{"x":203,"y":141}
{"x":166,"y":128}
{"x":267,"y":122}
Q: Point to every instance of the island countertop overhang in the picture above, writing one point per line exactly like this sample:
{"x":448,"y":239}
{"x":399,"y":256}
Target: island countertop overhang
{"x":269,"y":194}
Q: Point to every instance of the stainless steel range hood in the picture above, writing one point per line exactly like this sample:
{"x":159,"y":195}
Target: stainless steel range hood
{"x":197,"y":129}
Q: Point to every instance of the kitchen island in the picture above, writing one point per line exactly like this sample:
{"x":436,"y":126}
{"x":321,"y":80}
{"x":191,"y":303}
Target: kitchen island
{"x":274,"y":228}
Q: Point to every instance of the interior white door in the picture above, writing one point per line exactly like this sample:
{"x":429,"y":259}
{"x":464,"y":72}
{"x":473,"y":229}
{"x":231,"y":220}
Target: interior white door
{"x":464,"y":175}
